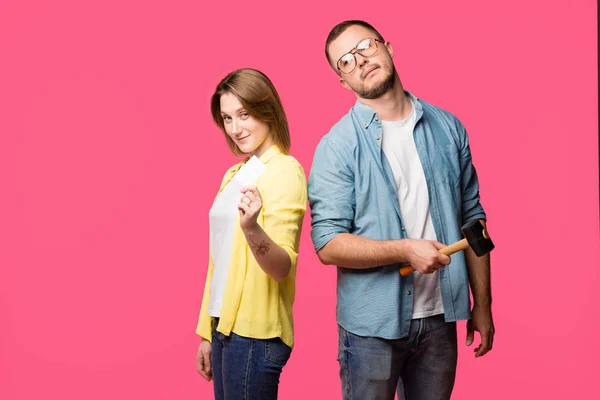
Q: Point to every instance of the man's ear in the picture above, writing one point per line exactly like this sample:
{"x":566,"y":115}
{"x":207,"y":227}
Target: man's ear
{"x":389,"y":48}
{"x":344,"y":83}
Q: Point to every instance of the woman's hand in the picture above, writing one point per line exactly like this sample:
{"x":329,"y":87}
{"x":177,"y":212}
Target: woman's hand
{"x":250,"y":206}
{"x":203,"y":363}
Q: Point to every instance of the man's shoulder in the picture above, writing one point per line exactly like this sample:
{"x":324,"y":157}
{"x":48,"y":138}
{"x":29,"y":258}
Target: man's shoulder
{"x":343,"y":133}
{"x":446,"y":121}
{"x":439,"y":113}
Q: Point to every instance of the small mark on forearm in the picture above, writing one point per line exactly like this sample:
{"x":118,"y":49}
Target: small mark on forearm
{"x":262,"y":248}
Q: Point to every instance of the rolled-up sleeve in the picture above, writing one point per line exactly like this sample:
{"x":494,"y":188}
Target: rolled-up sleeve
{"x":330,"y":194}
{"x":471,"y":206}
{"x":284,"y":206}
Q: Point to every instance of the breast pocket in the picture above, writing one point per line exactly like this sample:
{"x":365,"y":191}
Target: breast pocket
{"x":446,"y":165}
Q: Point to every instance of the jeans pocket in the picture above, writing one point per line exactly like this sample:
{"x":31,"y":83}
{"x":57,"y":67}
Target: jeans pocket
{"x":276,"y":351}
{"x":342,"y":342}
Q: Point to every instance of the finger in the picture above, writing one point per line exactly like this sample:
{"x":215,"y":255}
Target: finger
{"x":243,"y":207}
{"x":257,"y":194}
{"x":251,"y":196}
{"x":486,"y":343}
{"x":470,"y":333}
{"x":244,"y":198}
{"x":428,"y":269}
{"x":484,"y":347}
{"x":434,"y":267}
{"x":249,"y":188}
{"x":205,"y":375}
{"x":443,"y":259}
{"x":438,"y":245}
{"x":482,"y":350}
{"x":201,"y":367}
{"x":200,"y":363}
{"x":208,"y":364}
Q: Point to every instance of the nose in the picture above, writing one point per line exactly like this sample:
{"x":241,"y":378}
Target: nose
{"x":236,"y":128}
{"x":360,"y":60}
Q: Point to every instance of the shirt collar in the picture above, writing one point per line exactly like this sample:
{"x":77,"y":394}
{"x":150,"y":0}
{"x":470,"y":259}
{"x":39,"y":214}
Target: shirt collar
{"x":265,"y":158}
{"x":270,"y":153}
{"x":366,"y":114}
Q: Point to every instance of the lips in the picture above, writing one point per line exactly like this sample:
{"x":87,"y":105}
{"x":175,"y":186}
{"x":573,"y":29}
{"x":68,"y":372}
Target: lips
{"x":242,"y":138}
{"x":368,"y":71}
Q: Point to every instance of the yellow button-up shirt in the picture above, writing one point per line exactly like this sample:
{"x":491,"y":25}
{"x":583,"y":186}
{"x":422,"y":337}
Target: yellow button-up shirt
{"x":254,"y":304}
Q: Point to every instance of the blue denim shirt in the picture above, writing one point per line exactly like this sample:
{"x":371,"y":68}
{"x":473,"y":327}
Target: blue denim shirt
{"x":351,"y":189}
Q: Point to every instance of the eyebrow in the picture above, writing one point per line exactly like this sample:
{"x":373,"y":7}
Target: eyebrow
{"x":236,"y":111}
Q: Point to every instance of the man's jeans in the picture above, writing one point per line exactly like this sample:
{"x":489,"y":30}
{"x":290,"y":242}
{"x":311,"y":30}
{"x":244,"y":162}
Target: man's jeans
{"x":421,"y":366}
{"x":247,"y":369}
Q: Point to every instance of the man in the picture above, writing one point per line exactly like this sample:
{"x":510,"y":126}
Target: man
{"x":390,"y":183}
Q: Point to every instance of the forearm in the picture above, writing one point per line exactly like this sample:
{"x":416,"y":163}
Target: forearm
{"x":272,"y":258}
{"x":352,"y":251}
{"x":478,"y":269}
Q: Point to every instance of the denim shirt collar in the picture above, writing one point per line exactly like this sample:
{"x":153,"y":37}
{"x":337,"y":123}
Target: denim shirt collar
{"x":367,"y":115}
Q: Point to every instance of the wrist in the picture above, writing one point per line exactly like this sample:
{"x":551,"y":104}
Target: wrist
{"x":251,"y":229}
{"x":482,"y":303}
{"x":403,"y":250}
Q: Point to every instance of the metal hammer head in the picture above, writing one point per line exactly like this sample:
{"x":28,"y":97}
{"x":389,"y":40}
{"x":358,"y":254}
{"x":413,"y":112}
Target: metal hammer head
{"x":478,"y":238}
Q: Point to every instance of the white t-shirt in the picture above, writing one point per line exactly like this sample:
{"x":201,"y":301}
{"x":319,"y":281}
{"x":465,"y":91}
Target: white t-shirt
{"x":223,"y":220}
{"x":399,"y":147}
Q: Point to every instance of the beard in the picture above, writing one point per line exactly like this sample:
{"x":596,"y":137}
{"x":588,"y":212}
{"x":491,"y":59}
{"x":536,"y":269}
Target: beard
{"x":379,"y":89}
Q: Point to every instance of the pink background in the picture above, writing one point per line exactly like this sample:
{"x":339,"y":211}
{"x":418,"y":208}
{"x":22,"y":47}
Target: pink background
{"x":109,"y":162}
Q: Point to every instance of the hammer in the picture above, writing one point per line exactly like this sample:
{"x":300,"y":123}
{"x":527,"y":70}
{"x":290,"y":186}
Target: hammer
{"x":476,"y":236}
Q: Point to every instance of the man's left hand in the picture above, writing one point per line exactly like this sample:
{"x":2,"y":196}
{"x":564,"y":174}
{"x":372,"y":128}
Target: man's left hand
{"x":482,"y":322}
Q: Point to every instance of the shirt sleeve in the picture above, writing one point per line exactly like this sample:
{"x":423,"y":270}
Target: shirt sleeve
{"x":471,"y":206}
{"x":204,"y":327}
{"x":330,"y":194}
{"x":284,"y":205}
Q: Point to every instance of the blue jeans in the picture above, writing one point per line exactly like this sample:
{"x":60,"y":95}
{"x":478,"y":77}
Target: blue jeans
{"x":247,"y":369}
{"x":421,"y":366}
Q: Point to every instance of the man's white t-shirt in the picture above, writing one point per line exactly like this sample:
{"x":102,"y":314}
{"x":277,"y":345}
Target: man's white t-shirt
{"x":399,"y":147}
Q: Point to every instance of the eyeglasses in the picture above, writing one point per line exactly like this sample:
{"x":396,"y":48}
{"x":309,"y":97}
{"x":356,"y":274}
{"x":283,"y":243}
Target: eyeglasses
{"x":366,"y":48}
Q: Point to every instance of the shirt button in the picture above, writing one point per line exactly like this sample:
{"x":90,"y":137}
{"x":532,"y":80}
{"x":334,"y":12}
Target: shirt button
{"x":408,"y":292}
{"x":366,"y":124}
{"x":403,"y":229}
{"x":376,"y":119}
{"x":376,"y":137}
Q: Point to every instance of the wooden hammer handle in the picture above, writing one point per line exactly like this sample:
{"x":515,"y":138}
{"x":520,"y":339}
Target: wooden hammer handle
{"x":448,"y":250}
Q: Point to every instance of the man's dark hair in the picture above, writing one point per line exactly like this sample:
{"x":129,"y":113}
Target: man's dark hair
{"x":340,"y":28}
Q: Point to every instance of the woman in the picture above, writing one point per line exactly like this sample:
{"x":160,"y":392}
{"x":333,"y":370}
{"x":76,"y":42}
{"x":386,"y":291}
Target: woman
{"x":246,"y":321}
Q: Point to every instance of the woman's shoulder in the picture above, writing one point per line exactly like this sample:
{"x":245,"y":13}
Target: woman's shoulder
{"x":285,"y":163}
{"x":284,"y":176}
